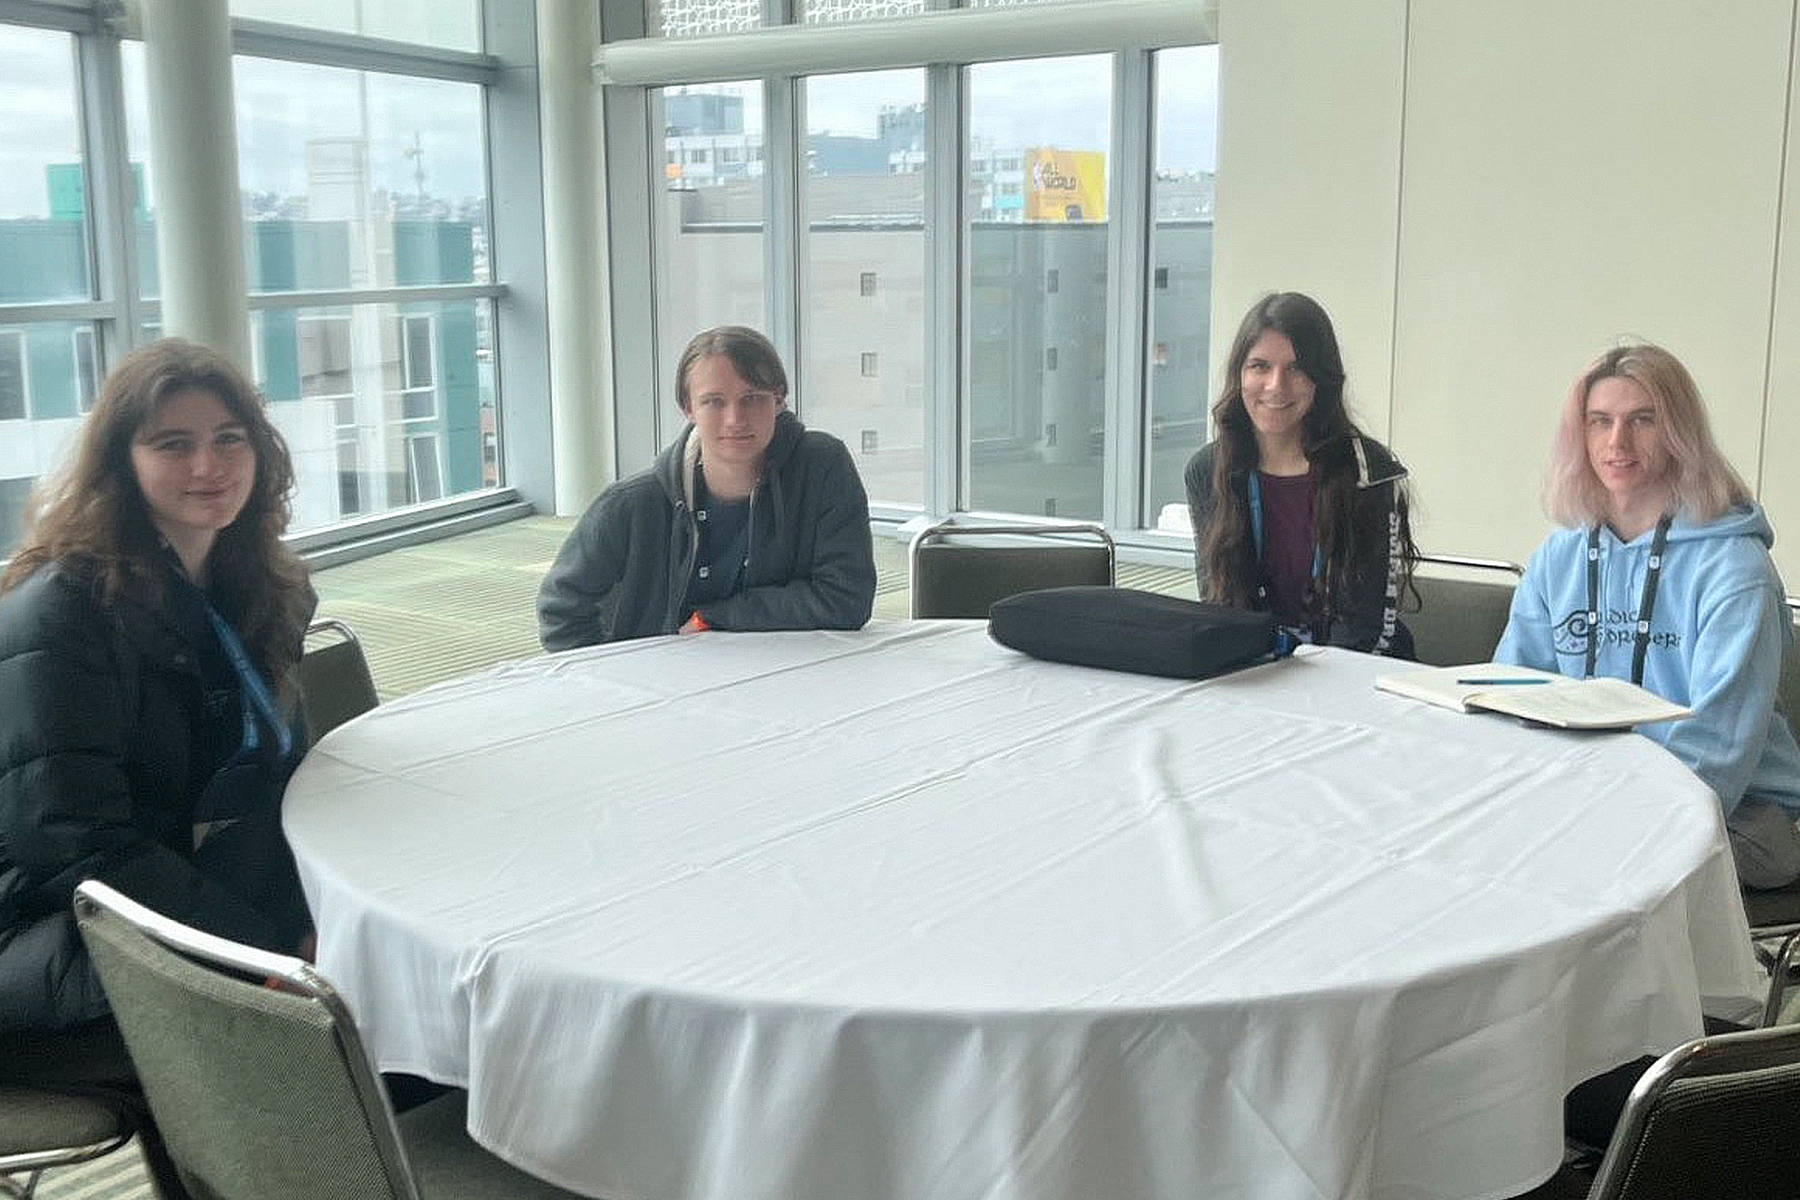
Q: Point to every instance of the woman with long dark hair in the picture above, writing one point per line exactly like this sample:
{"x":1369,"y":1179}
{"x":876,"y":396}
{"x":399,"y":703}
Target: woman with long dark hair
{"x":149,"y":627}
{"x":1295,"y":510}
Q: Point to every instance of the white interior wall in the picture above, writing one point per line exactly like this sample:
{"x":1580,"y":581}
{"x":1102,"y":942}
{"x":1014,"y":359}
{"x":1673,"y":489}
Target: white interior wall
{"x":1484,"y":204}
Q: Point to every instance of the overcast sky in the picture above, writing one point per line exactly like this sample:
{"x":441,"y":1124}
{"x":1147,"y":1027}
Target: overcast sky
{"x":282,"y":106}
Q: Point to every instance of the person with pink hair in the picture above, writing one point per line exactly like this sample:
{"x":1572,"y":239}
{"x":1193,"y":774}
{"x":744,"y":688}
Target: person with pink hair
{"x":1661,"y":575}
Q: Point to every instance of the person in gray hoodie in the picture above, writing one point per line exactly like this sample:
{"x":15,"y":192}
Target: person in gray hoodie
{"x":748,"y":520}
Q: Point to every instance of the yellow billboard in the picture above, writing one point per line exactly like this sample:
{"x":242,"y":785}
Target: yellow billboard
{"x":1065,"y":185}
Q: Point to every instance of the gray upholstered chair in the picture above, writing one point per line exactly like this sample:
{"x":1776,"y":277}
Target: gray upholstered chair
{"x":257,"y":1079}
{"x":45,"y":1127}
{"x":335,"y":684}
{"x":1775,"y":914}
{"x":1715,"y":1117}
{"x":1461,"y":616}
{"x":960,"y":570}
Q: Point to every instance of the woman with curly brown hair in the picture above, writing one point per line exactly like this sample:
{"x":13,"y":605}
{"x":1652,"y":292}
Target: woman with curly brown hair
{"x":1295,"y":511}
{"x":149,"y":627}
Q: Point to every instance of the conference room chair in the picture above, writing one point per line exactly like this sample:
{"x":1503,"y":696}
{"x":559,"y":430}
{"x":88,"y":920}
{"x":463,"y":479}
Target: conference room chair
{"x":1714,"y":1117}
{"x":334,"y":678}
{"x":257,"y":1079}
{"x":43,"y":1127}
{"x":1775,"y":913}
{"x":961,"y":570}
{"x":1460,"y":616}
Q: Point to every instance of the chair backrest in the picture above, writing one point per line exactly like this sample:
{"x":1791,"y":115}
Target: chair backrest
{"x":258,"y":1090}
{"x":1715,"y":1117}
{"x":335,"y":684}
{"x":1461,"y":616}
{"x":951,"y":576}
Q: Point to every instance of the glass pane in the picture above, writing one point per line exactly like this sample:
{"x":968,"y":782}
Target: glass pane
{"x":43,"y":186}
{"x":362,"y":392}
{"x":137,"y":142}
{"x":1007,"y":3}
{"x":684,"y":18}
{"x":1038,"y":135}
{"x":46,"y":383}
{"x":818,"y":12}
{"x":710,"y":227}
{"x":1179,"y":370}
{"x":449,"y":24}
{"x":352,"y":179}
{"x":864,"y":197}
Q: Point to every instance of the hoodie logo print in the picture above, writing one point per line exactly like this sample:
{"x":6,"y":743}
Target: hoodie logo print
{"x":1617,"y":628}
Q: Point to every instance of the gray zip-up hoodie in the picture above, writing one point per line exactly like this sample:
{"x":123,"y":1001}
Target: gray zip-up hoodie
{"x":624,"y":570}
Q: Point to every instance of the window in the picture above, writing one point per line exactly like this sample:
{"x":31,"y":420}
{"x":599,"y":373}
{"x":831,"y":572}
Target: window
{"x":1181,"y":256}
{"x":357,"y":180}
{"x":981,"y":360}
{"x":87,"y":366}
{"x":858,"y":211}
{"x":1037,"y":359}
{"x":451,"y":24}
{"x":322,"y":348}
{"x":417,"y":345}
{"x":13,"y":387}
{"x":710,"y":228}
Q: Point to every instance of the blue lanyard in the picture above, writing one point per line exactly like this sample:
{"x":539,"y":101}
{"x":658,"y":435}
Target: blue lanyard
{"x":253,"y":693}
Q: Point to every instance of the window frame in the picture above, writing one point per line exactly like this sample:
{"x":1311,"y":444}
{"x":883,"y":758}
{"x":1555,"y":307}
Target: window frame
{"x":505,"y":71}
{"x":793,"y":52}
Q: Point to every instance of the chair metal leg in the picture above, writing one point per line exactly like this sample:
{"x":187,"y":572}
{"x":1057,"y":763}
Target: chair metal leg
{"x":1781,"y":971}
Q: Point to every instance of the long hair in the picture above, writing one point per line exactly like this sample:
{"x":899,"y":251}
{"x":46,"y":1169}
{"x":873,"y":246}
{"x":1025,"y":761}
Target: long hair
{"x":752,"y":355}
{"x":92,"y":520}
{"x":1232,"y":571}
{"x":1702,"y":483}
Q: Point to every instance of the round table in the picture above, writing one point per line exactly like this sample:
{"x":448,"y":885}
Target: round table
{"x":900,"y":914}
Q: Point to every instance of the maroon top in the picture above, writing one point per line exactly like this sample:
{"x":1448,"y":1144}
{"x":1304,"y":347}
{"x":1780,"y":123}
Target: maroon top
{"x":1289,"y":544}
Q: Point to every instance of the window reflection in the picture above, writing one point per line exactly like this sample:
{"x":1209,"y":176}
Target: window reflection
{"x":1037,"y":194}
{"x":1179,"y":372}
{"x":864,"y":204}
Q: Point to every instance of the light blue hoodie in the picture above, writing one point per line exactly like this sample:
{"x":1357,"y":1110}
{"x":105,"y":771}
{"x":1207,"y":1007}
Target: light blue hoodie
{"x":1717,"y":632}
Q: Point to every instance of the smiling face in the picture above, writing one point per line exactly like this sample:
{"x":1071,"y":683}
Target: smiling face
{"x":1625,"y":446}
{"x":1277,"y":393}
{"x":734,"y":419}
{"x":195,"y":466}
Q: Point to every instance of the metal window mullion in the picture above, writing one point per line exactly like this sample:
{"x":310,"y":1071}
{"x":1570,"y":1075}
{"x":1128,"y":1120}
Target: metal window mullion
{"x":782,"y":174}
{"x":70,"y":16}
{"x":57,"y":310}
{"x":946,"y":291}
{"x":112,"y":242}
{"x":335,"y":298}
{"x":635,"y":200}
{"x":1127,"y":292}
{"x":292,"y":43}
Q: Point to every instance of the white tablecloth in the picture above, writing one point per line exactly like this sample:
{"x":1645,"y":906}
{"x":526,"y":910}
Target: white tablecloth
{"x":903,"y":915}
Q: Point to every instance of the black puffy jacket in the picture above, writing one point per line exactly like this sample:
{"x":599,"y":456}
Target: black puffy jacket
{"x":100,"y":733}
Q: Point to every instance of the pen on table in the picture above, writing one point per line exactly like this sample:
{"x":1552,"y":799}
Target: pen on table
{"x":1502,"y":682}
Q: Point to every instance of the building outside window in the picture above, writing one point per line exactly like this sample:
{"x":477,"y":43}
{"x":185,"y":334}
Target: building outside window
{"x":369,"y":186}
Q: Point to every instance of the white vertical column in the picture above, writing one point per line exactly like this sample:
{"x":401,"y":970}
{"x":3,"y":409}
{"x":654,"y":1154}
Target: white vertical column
{"x":575,"y":245}
{"x":193,"y":142}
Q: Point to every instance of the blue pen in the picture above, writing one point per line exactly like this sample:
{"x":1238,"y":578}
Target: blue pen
{"x":1501,"y":682}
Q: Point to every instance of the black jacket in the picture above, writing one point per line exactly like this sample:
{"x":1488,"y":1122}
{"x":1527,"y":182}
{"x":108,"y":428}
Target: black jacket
{"x":1367,"y":602}
{"x":623,"y":572}
{"x":100,"y":771}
